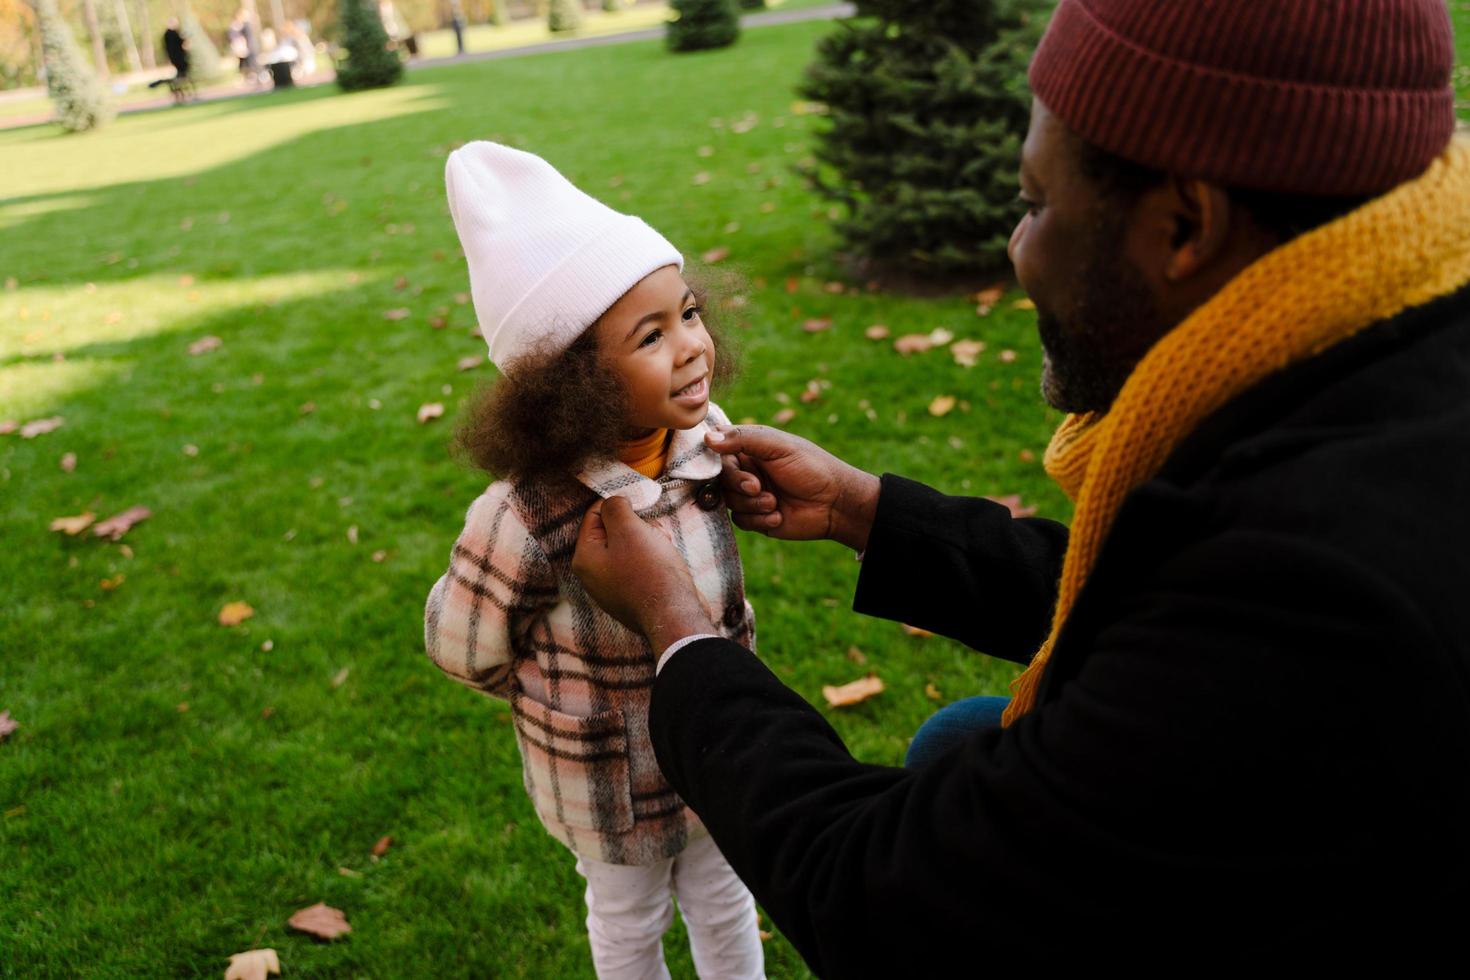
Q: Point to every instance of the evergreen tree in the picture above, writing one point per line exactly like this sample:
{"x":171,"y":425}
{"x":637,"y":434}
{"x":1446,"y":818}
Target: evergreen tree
{"x":204,"y":59}
{"x":369,"y":62}
{"x":81,"y":103}
{"x":612,"y":6}
{"x":927,"y":108}
{"x":499,"y":12}
{"x":702,"y":24}
{"x":564,"y":15}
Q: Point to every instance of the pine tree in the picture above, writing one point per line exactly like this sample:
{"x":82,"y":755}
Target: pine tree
{"x":927,"y":108}
{"x":369,"y":62}
{"x":702,"y":24}
{"x":564,"y":15}
{"x":81,"y":103}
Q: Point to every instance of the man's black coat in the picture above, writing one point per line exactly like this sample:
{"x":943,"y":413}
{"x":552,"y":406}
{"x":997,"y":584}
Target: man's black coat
{"x":1254,"y":733}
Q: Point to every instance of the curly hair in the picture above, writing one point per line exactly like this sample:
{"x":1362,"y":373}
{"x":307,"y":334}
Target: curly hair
{"x":561,"y":408}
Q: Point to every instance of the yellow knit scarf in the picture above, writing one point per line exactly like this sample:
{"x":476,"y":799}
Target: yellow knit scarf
{"x":1396,"y":252}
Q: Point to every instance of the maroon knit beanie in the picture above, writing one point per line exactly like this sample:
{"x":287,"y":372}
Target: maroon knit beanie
{"x":1330,"y":97}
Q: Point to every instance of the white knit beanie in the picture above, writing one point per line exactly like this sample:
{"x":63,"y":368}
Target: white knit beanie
{"x":546,"y":260}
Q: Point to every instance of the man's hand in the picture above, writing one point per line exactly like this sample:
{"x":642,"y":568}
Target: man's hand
{"x":632,"y":571}
{"x":785,"y":487}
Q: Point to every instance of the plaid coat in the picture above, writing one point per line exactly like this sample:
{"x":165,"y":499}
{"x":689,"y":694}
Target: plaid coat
{"x":508,"y":618}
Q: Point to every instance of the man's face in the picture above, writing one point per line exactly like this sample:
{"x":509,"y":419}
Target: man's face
{"x":1096,"y":311}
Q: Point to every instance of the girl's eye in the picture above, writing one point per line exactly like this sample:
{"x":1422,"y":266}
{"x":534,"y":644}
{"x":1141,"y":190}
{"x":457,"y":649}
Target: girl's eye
{"x":652,"y":337}
{"x":693,"y":312}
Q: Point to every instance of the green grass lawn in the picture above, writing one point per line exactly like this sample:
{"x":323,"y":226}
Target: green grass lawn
{"x":178,"y":788}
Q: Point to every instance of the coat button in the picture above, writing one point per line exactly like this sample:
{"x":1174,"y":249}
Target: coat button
{"x":708,"y":496}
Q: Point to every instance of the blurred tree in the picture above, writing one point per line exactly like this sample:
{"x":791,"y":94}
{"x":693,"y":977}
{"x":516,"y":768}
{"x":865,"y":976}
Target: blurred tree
{"x":204,"y":59}
{"x":702,"y":24}
{"x":94,"y":29}
{"x":927,"y":107}
{"x":369,"y":62}
{"x":80,"y":101}
{"x":564,"y":15}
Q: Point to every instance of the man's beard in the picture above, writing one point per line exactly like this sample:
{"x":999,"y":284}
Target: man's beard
{"x":1114,"y":323}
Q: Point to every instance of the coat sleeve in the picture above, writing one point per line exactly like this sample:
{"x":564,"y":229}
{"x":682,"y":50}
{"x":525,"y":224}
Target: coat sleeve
{"x":497,"y":576}
{"x":961,"y":567}
{"x":1210,"y":760}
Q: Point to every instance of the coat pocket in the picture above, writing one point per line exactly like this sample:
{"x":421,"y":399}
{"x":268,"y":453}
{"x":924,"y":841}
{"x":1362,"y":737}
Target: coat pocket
{"x":576,"y":769}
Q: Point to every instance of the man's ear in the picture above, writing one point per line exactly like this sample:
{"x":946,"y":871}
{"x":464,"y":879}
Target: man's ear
{"x":1201,"y":226}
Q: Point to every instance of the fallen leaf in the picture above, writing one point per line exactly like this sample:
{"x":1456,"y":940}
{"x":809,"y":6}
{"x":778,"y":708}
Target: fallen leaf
{"x":205,"y":344}
{"x":792,"y":284}
{"x":430,"y":410}
{"x":716,"y":255}
{"x":967,"y":352}
{"x":401,"y":282}
{"x":915,"y":631}
{"x":235,"y":613}
{"x":932,"y":693}
{"x":1012,"y":502}
{"x":40,"y":427}
{"x":1026,"y":456}
{"x":109,"y":584}
{"x":853,"y":693}
{"x":352,"y":534}
{"x":119,"y":524}
{"x":398,"y":313}
{"x":253,"y":964}
{"x":700,"y":178}
{"x":941,"y":406}
{"x":182,"y":707}
{"x":340,"y":677}
{"x":7,"y":724}
{"x":765,"y":936}
{"x":267,"y":646}
{"x":438,"y":322}
{"x":835,"y":288}
{"x":470,"y":362}
{"x":784,"y":416}
{"x":381,"y":847}
{"x":74,"y":525}
{"x":380,"y":556}
{"x":320,"y":920}
{"x":191,"y":450}
{"x":811,"y":393}
{"x":876,"y":332}
{"x":8,"y":426}
{"x":461,"y":298}
{"x":856,"y":656}
{"x":307,"y":408}
{"x":913,"y":343}
{"x":817,"y":324}
{"x":989,"y":296}
{"x":125,"y":551}
{"x":706,"y":151}
{"x":1006,"y":356}
{"x":939,"y":336}
{"x":1023,"y":304}
{"x":68,"y":462}
{"x":349,"y":873}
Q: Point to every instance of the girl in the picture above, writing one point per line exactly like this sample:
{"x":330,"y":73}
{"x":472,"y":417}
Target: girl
{"x":606,"y":363}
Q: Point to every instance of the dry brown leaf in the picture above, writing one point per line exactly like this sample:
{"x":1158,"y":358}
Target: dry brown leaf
{"x":939,"y":336}
{"x":714,"y":255}
{"x":205,"y":344}
{"x":349,"y":873}
{"x":307,"y":408}
{"x":380,"y":556}
{"x":856,"y":656}
{"x":461,"y":298}
{"x":235,"y":613}
{"x":430,"y":410}
{"x":853,"y":693}
{"x":835,"y":288}
{"x":68,"y":462}
{"x":320,"y":920}
{"x":989,"y":296}
{"x":470,"y":362}
{"x":783,"y":416}
{"x":792,"y":285}
{"x":340,"y":677}
{"x":352,"y":534}
{"x":398,"y":313}
{"x":915,"y":630}
{"x":967,"y":352}
{"x":1026,"y":456}
{"x":7,"y":426}
{"x":876,"y":332}
{"x":7,"y":724}
{"x":1007,"y":356}
{"x":109,"y":584}
{"x":700,"y":178}
{"x":913,"y":343}
{"x":253,"y":964}
{"x":1023,"y":304}
{"x":40,"y":427}
{"x":941,"y":406}
{"x":182,"y":707}
{"x":401,"y":282}
{"x":73,"y":525}
{"x":438,"y":322}
{"x":817,"y":324}
{"x":381,"y":847}
{"x":932,"y":693}
{"x":765,"y":936}
{"x":119,"y":524}
{"x":1012,"y":502}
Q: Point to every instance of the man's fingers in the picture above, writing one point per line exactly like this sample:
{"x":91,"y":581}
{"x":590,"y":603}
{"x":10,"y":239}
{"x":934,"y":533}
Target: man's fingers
{"x":737,"y":480}
{"x":755,"y":441}
{"x":618,"y":516}
{"x":761,"y":503}
{"x":762,"y":523}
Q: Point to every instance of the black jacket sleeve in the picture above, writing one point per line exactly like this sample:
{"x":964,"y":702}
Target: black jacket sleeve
{"x":1221,"y":758}
{"x":961,"y":567}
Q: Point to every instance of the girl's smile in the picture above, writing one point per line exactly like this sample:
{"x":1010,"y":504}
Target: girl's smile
{"x":654,"y":340}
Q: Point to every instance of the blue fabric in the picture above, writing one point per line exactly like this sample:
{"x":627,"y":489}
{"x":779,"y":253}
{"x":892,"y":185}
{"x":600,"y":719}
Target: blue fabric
{"x":951,"y":725}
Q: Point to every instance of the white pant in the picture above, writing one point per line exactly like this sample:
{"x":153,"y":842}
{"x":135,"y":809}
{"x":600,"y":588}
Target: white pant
{"x":629,"y":909}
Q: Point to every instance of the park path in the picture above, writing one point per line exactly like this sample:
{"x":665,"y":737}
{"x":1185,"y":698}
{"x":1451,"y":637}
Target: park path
{"x":767,"y":18}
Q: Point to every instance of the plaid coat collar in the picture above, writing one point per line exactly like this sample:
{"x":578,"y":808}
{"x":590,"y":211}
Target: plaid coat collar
{"x":689,"y":459}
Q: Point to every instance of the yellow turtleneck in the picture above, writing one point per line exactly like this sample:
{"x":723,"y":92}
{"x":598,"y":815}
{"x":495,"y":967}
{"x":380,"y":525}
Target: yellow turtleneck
{"x":647,"y":455}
